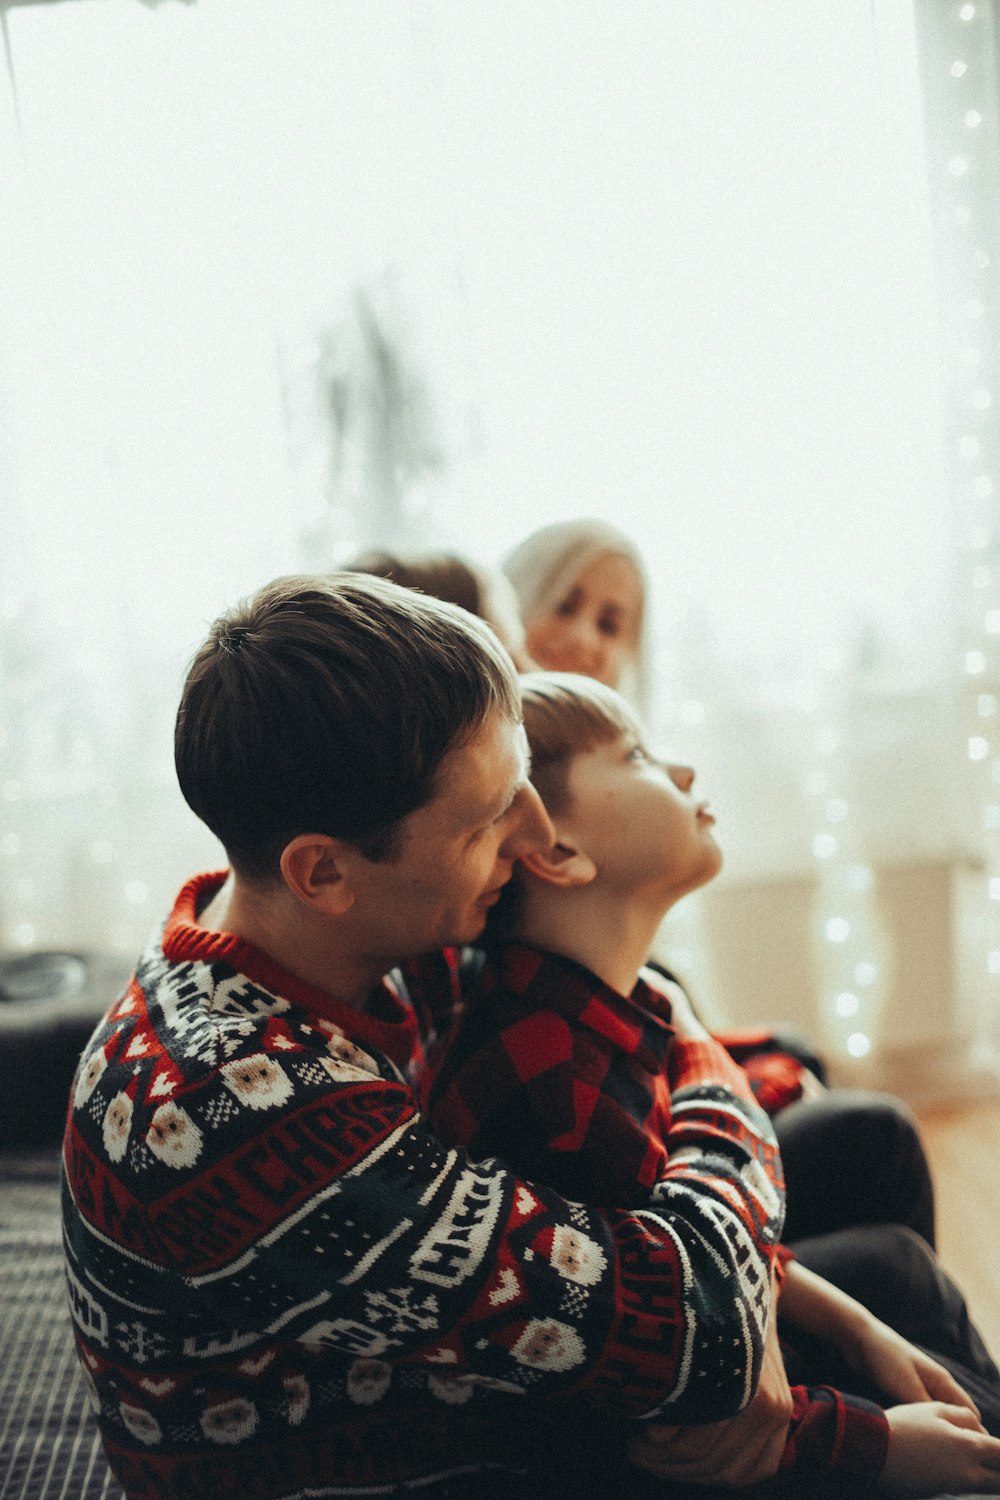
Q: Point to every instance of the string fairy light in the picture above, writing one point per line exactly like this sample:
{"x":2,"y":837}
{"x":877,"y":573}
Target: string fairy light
{"x":957,"y":47}
{"x":849,"y":944}
{"x":961,"y":99}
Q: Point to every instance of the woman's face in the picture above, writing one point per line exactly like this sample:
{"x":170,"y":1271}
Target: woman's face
{"x":594,"y":627}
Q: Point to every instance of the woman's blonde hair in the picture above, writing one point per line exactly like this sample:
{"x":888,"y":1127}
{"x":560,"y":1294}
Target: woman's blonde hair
{"x":544,"y":567}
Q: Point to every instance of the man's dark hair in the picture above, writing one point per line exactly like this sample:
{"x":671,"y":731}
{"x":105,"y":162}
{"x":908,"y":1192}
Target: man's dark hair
{"x":325,"y":704}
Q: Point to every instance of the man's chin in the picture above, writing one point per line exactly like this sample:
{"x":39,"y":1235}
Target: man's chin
{"x":472,"y":928}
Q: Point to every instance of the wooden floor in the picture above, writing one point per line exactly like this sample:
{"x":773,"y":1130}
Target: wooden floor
{"x":963,"y":1145}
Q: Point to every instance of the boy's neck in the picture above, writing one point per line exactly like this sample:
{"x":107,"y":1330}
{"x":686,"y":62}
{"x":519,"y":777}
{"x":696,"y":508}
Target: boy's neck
{"x":612,"y":938}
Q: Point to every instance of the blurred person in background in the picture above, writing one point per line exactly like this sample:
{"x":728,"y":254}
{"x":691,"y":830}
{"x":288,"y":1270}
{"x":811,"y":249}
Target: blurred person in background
{"x":445,"y":575}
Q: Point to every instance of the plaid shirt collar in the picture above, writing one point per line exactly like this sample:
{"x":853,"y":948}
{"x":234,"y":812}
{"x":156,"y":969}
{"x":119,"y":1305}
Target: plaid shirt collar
{"x":638,"y":1024}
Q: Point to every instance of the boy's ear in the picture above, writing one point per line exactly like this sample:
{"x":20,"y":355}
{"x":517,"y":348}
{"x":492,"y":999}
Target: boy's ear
{"x":563,"y":865}
{"x":316,"y":870}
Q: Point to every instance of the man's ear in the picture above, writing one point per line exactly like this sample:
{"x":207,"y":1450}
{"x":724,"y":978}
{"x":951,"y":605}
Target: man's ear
{"x":563,"y":865}
{"x":315,"y":869}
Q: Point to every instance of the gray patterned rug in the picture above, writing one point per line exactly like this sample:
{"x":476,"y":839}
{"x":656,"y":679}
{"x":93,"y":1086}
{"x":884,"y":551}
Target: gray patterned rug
{"x":49,"y":1446}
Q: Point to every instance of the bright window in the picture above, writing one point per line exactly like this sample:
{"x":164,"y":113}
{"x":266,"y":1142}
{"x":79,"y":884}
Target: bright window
{"x":671,"y":266}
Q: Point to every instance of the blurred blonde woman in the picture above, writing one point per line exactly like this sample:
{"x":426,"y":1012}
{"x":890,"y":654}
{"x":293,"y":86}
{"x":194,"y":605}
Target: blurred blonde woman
{"x":582,"y":590}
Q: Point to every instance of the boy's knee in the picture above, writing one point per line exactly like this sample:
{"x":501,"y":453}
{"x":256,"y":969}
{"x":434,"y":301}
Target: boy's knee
{"x":895,"y":1248}
{"x":882,"y":1265}
{"x":878,"y":1117}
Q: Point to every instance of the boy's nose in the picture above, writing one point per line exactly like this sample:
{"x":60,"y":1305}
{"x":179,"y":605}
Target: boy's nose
{"x":682,"y":777}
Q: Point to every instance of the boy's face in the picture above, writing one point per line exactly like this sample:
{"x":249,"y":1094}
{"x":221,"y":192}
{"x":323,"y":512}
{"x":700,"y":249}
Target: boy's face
{"x":638,"y":820}
{"x":458,"y":851}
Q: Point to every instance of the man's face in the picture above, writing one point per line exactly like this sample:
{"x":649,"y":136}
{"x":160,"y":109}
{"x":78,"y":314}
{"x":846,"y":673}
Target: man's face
{"x":457,"y":852}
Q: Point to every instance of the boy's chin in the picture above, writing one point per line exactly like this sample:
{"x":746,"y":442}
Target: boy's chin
{"x":707,"y":873}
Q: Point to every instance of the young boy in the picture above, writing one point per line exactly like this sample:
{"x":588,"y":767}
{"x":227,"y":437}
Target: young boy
{"x":579,"y":1067}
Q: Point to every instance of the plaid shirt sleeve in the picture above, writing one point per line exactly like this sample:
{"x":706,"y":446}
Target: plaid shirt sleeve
{"x":776,"y":1073}
{"x":834,"y":1434}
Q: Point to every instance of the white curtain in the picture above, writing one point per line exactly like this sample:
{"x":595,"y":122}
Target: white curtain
{"x":682,"y":267}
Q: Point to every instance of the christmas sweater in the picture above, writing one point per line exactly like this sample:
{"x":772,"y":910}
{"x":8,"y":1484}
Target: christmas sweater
{"x":283,"y":1285}
{"x":591,"y":1092}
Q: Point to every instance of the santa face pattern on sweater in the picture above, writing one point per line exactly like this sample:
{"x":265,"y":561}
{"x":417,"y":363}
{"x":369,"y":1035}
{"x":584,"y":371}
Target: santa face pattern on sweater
{"x":281,"y":1281}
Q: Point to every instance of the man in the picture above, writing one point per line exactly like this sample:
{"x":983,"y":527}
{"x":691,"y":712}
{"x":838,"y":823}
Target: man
{"x":282,"y":1284}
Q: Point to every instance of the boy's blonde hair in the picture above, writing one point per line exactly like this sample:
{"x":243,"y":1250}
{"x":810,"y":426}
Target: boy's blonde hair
{"x":565,"y":715}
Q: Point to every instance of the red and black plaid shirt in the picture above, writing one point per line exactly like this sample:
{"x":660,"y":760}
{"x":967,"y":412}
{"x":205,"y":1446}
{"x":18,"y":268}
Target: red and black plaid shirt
{"x":589,"y":1092}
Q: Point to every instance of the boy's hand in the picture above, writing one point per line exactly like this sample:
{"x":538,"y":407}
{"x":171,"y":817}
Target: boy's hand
{"x":934,"y":1447}
{"x":737,"y":1452}
{"x":902,"y":1371}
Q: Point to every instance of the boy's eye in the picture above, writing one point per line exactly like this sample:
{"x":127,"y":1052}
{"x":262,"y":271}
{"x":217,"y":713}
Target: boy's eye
{"x":637,"y":753}
{"x":609,"y":625}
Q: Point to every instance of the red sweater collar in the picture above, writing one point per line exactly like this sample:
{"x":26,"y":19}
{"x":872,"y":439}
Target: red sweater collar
{"x":387,"y":1022}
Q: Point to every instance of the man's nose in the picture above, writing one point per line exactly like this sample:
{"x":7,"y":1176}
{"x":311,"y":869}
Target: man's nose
{"x":532,"y":830}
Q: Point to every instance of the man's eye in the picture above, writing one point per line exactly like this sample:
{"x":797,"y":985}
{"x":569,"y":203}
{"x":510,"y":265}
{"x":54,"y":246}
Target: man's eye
{"x":506,"y":812}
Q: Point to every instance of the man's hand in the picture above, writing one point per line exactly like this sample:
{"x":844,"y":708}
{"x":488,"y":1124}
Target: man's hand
{"x":736,"y":1452}
{"x":934,"y":1447}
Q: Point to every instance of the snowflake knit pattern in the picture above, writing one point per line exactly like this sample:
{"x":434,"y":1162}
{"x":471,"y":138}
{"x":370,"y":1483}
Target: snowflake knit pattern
{"x":283,"y":1285}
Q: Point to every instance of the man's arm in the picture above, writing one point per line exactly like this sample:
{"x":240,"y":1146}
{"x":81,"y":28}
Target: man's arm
{"x":429,"y":1258}
{"x":749,"y":1447}
{"x":933,"y":1441}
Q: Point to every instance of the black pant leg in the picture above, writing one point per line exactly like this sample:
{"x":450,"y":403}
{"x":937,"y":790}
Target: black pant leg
{"x":897,"y":1276}
{"x":853,"y":1157}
